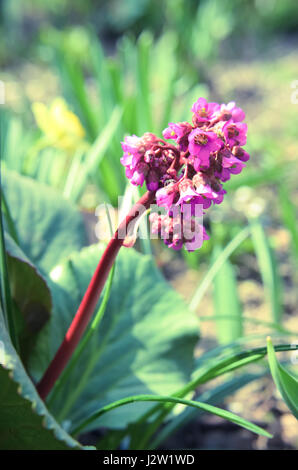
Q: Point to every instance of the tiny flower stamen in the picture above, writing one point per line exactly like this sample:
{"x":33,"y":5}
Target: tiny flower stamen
{"x":201,"y":139}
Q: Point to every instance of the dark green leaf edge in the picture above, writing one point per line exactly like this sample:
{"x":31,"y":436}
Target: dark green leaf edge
{"x":26,"y":390}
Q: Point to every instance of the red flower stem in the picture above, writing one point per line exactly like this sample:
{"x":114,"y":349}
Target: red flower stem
{"x":89,"y":302}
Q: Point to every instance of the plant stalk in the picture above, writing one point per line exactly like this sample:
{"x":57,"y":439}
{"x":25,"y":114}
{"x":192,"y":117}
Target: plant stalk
{"x":90,"y":299}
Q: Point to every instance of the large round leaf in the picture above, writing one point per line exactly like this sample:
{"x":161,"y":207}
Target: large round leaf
{"x":30,"y":294}
{"x":28,"y":287}
{"x":144,"y":345}
{"x":48,"y":227}
{"x":25,"y":422}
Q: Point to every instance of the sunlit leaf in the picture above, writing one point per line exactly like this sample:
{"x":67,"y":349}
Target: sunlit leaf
{"x":286,"y":383}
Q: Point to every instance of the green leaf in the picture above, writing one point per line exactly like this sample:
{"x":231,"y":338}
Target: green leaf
{"x":289,"y":215}
{"x":164,"y":60}
{"x":214,"y":396}
{"x":6,"y":213}
{"x":92,"y":330}
{"x":73,"y":81}
{"x":286,"y":383}
{"x":102,"y":76}
{"x":6,"y":302}
{"x":216,"y":266}
{"x":145,"y":342}
{"x":25,"y":421}
{"x":96,"y":153}
{"x":167,"y":399}
{"x":226,"y":302}
{"x":29,"y":291}
{"x":48,"y":227}
{"x":144,"y":46}
{"x":212,"y":364}
{"x":227,"y":358}
{"x":16,"y":139}
{"x":268,"y":268}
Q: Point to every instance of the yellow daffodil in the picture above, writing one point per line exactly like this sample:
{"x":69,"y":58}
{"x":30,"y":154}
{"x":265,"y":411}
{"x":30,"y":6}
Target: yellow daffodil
{"x":62,"y":128}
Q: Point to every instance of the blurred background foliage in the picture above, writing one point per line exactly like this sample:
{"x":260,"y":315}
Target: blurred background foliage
{"x":79,"y":75}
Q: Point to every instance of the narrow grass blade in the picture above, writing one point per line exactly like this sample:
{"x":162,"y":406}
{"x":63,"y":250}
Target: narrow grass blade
{"x":16,"y":140}
{"x":285,"y":382}
{"x":207,"y":370}
{"x":144,"y":233}
{"x":229,"y":363}
{"x":51,"y":167}
{"x":214,"y":268}
{"x":164,"y":83}
{"x":268,"y":268}
{"x":7,"y":216}
{"x":73,"y":81}
{"x":73,"y":175}
{"x":96,"y":153}
{"x":289,"y":216}
{"x":169,"y":399}
{"x":212,"y":397}
{"x":103,"y":79}
{"x":144,"y":46}
{"x":128,"y":65}
{"x":226,"y":301}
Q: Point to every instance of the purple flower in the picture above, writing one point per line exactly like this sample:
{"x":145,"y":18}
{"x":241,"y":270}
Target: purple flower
{"x":165,"y":196}
{"x":129,"y":172}
{"x":139,"y":174}
{"x":177,"y":231}
{"x":241,"y":154}
{"x":188,"y":175}
{"x":187,"y":191}
{"x":198,"y":239}
{"x":132,"y":145}
{"x":204,"y":111}
{"x":237,"y":114}
{"x":200,"y":200}
{"x":194,"y":207}
{"x":130,"y":159}
{"x":152,"y":180}
{"x":179,"y":132}
{"x":233,"y":164}
{"x":175,"y":242}
{"x":146,"y":159}
{"x":201,"y":144}
{"x":208,"y":187}
{"x":235,"y":133}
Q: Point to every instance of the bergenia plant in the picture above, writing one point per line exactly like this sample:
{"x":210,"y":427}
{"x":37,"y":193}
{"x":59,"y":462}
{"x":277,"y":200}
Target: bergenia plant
{"x":183,"y":177}
{"x":141,"y":339}
{"x":188,"y":175}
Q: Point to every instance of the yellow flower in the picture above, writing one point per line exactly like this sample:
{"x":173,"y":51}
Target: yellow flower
{"x":61,"y":127}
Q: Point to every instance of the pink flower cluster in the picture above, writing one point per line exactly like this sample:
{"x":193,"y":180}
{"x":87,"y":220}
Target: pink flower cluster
{"x":189,"y":173}
{"x":147,"y":158}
